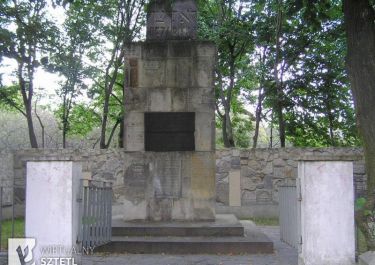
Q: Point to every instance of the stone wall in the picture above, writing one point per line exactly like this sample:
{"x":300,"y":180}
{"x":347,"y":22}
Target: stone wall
{"x":262,"y":171}
{"x":6,"y":175}
{"x":246,"y":180}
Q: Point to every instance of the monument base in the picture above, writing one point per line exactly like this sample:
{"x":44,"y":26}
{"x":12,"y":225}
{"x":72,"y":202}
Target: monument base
{"x":165,"y":186}
{"x":224,"y":236}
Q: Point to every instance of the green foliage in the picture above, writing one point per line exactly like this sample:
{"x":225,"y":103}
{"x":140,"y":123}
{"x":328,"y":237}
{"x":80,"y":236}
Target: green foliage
{"x":32,"y":27}
{"x":6,"y":232}
{"x":265,"y":221}
{"x":360,"y":204}
{"x":83,"y":119}
{"x":316,"y":100}
{"x":10,"y":99}
{"x":319,"y":105}
{"x":229,"y":26}
{"x":366,"y":217}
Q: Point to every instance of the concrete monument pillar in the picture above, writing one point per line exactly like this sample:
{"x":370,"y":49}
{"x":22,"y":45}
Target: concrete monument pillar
{"x":170,"y":119}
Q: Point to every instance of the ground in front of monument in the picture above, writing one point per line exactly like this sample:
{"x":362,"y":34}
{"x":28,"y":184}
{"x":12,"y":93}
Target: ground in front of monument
{"x":283,"y":255}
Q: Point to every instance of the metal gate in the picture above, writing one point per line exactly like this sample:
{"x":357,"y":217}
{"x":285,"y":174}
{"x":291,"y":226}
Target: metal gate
{"x":95,"y":214}
{"x":289,"y":220}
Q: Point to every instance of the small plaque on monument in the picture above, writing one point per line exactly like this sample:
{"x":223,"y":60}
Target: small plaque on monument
{"x":172,"y":20}
{"x":167,"y":184}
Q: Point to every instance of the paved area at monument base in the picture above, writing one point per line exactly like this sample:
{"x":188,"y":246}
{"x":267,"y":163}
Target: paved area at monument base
{"x":283,"y":255}
{"x":224,"y":236}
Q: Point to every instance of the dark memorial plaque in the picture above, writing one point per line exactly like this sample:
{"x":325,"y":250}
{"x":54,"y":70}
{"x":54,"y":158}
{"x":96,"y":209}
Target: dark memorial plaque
{"x":169,"y":131}
{"x":175,"y":22}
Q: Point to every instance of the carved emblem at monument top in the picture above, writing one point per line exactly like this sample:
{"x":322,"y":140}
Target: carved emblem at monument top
{"x":175,"y":22}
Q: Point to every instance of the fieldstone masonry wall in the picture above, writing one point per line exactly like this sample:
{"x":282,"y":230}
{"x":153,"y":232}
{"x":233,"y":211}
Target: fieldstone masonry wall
{"x":6,"y":174}
{"x":260,"y":171}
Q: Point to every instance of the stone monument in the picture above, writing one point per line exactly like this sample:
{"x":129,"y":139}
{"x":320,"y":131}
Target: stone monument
{"x":169,"y":171}
{"x":170,"y":119}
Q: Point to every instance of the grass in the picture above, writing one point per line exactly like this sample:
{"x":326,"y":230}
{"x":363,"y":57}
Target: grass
{"x":362,"y":246}
{"x":6,"y":231}
{"x":265,"y":221}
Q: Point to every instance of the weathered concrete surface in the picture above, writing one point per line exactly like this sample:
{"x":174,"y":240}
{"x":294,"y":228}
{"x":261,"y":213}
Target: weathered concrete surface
{"x":223,"y":226}
{"x":165,"y":186}
{"x":327,"y":213}
{"x":51,"y":205}
{"x":171,"y":76}
{"x":168,"y":76}
{"x":178,"y":21}
{"x":253,"y":241}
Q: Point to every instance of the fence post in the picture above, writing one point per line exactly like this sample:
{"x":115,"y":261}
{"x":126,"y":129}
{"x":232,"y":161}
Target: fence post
{"x":13,"y":211}
{"x":110,"y":212}
{"x":84,"y":216}
{"x":80,"y":214}
{"x":1,"y":213}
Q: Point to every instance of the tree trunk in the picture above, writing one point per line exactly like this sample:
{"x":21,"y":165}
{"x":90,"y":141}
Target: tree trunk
{"x":360,"y":29}
{"x":102,"y":142}
{"x":331,"y":119}
{"x":121,"y":133}
{"x":224,"y":130}
{"x":229,"y":142}
{"x":280,"y":118}
{"x":279,"y":88}
{"x":27,"y":102}
{"x":228,"y":130}
{"x":258,"y":114}
{"x":41,"y":124}
{"x":64,"y":136}
{"x":271,"y":131}
{"x":30,"y":126}
{"x":110,"y":82}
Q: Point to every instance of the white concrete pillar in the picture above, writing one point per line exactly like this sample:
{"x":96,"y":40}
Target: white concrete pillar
{"x":327,"y":213}
{"x":52,"y":209}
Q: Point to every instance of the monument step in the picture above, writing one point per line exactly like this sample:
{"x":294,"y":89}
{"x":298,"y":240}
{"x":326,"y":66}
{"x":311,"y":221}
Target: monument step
{"x":188,"y":245}
{"x":223,"y":226}
{"x":252,"y":241}
{"x":157,"y":231}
